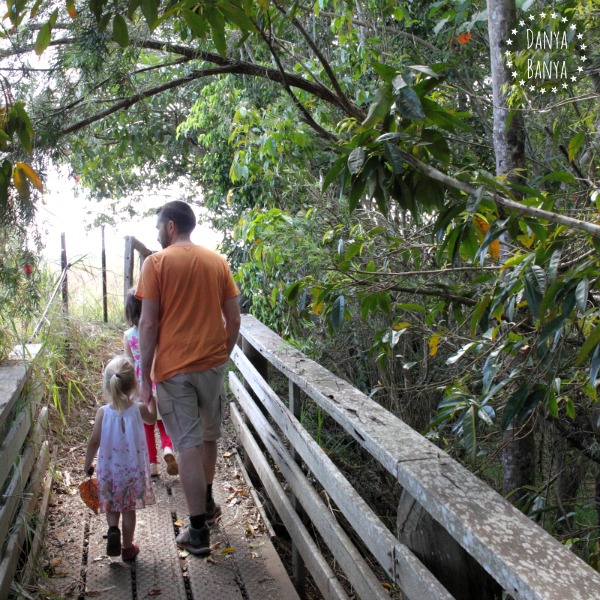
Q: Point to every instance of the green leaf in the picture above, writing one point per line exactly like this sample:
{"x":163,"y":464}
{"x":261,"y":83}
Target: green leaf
{"x":469,"y":428}
{"x":356,"y":192}
{"x":562,"y":176}
{"x":436,"y":145}
{"x":409,"y":104}
{"x":356,"y":160}
{"x":42,"y":40}
{"x":424,"y":69}
{"x":552,"y":328}
{"x":553,"y":265}
{"x":197,"y":23}
{"x":120,"y":32}
{"x":415,"y":307}
{"x":595,"y":366}
{"x":514,"y":405}
{"x":581,"y":294}
{"x":474,"y":200}
{"x":394,"y":158}
{"x":575,"y":144}
{"x":150,"y":11}
{"x":338,"y":166}
{"x":386,"y":72}
{"x":338,"y":311}
{"x":292,"y":290}
{"x":380,"y":107}
{"x":588,"y":345}
{"x":237,"y":16}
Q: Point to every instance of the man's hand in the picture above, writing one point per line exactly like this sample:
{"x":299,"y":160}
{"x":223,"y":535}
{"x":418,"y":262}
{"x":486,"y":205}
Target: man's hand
{"x":146,"y":392}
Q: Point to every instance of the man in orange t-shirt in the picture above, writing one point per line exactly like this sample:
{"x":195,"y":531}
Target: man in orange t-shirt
{"x":189,"y":325}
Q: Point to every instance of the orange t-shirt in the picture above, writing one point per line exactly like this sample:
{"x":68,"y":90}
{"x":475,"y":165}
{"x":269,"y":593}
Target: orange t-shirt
{"x":190,"y":283}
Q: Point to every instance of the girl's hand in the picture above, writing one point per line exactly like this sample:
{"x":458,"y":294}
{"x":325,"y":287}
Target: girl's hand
{"x":89,"y":472}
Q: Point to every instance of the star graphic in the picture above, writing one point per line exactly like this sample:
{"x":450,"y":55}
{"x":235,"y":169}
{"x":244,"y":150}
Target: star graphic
{"x":514,"y":32}
{"x":532,"y":88}
{"x":542,"y":91}
{"x":522,"y":23}
{"x":583,"y":58}
{"x":531,"y":17}
{"x":580,"y":69}
{"x":583,"y":46}
{"x":564,"y":19}
{"x":522,"y":82}
{"x":554,"y":90}
{"x":573,"y":78}
{"x":543,"y":15}
{"x":514,"y":74}
{"x":508,"y":63}
{"x":507,"y":53}
{"x":580,"y":36}
{"x":509,"y":42}
{"x":565,"y":86}
{"x":554,"y":15}
{"x":573,"y":26}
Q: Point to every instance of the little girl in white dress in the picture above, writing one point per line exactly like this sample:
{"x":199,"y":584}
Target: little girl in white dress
{"x":123,"y":469}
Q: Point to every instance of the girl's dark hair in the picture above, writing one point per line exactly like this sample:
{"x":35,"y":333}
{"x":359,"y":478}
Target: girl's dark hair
{"x":133,"y":308}
{"x":180,"y":213}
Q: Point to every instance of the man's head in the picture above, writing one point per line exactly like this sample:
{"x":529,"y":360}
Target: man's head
{"x":174,"y":219}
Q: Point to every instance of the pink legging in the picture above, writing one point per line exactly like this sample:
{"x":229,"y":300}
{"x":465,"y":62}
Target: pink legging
{"x":165,"y":440}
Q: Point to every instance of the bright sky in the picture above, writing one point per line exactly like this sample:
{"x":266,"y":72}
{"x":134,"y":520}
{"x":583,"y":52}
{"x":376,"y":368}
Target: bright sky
{"x":63,"y":212}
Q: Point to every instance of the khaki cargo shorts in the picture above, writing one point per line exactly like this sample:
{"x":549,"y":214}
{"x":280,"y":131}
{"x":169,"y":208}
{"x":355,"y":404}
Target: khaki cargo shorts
{"x":191,"y":406}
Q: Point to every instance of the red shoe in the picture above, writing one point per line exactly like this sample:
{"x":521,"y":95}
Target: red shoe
{"x":130,"y":553}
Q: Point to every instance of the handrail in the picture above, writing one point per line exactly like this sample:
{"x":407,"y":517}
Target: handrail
{"x":523,"y":558}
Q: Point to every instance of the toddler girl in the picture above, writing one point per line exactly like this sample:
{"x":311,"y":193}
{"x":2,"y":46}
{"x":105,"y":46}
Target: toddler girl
{"x":123,"y":470}
{"x":133,"y":311}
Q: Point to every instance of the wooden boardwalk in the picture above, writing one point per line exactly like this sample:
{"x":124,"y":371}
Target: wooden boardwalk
{"x":243,"y":563}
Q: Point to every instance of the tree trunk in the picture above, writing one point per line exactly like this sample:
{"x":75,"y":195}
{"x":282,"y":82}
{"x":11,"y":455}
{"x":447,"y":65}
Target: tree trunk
{"x":518,"y":462}
{"x":453,"y":566}
{"x":569,"y":478}
{"x":508,"y":133}
{"x":509,"y":148}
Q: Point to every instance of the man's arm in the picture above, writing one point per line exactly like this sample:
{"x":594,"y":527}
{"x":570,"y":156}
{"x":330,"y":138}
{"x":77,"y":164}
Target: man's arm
{"x":148,"y":329}
{"x":231,"y":312}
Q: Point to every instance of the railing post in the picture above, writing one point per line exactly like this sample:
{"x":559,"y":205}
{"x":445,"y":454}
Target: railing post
{"x":104,"y":288}
{"x":63,"y":265}
{"x":298,"y":566}
{"x":128,"y":266}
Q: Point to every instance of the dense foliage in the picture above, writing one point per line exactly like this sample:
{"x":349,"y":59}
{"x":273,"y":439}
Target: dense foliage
{"x":351,"y":151}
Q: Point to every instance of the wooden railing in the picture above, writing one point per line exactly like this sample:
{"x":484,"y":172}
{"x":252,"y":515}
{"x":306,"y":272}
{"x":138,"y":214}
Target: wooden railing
{"x":132,"y":245}
{"x":519,"y":555}
{"x":24,"y":476}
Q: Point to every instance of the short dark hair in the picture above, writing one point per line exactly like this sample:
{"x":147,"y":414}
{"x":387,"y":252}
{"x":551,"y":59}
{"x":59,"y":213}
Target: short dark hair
{"x":133,"y":308}
{"x":180,"y":213}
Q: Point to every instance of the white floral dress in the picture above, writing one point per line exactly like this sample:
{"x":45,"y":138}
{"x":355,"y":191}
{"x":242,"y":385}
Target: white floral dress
{"x":123,"y":469}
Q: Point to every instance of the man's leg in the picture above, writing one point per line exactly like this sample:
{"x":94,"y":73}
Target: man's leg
{"x":209,"y":459}
{"x":193,"y":479}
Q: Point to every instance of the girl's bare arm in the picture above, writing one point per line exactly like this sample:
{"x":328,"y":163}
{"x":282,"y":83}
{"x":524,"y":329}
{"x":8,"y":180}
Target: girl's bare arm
{"x":94,"y":443}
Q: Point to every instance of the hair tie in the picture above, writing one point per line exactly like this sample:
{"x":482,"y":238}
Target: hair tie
{"x":117,"y":375}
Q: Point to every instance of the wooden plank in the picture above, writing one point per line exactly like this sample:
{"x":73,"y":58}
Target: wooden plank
{"x":12,"y":444}
{"x":38,"y":538}
{"x":519,"y":554}
{"x":257,"y":501}
{"x":405,"y":569}
{"x":324,"y":577}
{"x":11,"y":499}
{"x":352,"y":563}
{"x":13,"y":550}
{"x":13,"y":375}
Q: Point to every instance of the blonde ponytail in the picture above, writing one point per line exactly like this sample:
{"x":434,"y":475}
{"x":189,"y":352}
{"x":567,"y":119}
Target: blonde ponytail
{"x":119,"y":382}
